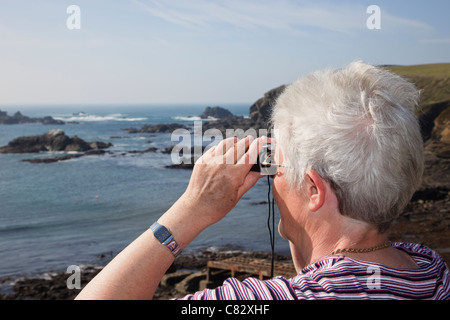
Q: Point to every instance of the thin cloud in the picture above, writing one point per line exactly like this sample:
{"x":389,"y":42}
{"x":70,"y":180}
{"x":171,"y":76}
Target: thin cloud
{"x":395,"y":22}
{"x":271,"y":15}
{"x":176,"y":15}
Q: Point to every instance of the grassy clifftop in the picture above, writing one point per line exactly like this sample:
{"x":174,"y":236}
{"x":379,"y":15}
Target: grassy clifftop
{"x":441,"y":70}
{"x":432,"y":79}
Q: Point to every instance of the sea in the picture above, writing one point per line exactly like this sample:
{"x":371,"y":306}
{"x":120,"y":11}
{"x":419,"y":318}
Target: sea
{"x":84,"y":211}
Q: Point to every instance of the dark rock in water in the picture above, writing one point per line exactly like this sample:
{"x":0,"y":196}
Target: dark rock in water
{"x":215,"y":112}
{"x":97,"y":145}
{"x":151,"y":149}
{"x":95,"y":152}
{"x":186,"y":163}
{"x":66,"y":157}
{"x":181,"y":166}
{"x":54,"y":159}
{"x":158,"y":128}
{"x":233,"y":123}
{"x":19,"y":118}
{"x":53,"y":140}
{"x":50,"y":120}
{"x":258,"y":119}
{"x":259,"y":116}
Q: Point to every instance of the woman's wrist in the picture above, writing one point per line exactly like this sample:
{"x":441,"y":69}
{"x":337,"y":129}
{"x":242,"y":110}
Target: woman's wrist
{"x":183,"y":221}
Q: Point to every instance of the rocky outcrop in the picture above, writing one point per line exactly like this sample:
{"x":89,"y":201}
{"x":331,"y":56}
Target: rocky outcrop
{"x":158,"y":128}
{"x":19,"y":118}
{"x":53,"y":140}
{"x":216,"y":113}
{"x":259,"y":115}
{"x":233,"y":122}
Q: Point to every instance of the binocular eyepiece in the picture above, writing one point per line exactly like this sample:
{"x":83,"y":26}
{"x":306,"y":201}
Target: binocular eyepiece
{"x":266,"y":161}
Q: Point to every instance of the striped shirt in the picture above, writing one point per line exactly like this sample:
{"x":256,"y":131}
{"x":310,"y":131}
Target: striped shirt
{"x":339,"y":277}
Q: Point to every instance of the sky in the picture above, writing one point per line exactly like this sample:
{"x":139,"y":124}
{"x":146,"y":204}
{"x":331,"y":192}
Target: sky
{"x":199,"y":51}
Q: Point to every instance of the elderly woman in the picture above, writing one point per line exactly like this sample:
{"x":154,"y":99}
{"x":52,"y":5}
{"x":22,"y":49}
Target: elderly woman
{"x":350,"y":154}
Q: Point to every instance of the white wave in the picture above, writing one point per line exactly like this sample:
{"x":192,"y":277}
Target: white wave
{"x":80,"y":117}
{"x":186,"y":118}
{"x":192,"y":118}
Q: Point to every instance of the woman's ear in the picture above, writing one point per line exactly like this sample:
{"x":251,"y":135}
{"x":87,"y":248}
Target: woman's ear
{"x":315,"y":190}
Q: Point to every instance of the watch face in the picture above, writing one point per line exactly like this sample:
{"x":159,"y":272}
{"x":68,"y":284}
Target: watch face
{"x":161,"y":233}
{"x":165,"y":237}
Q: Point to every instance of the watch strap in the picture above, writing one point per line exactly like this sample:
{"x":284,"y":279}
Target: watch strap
{"x":165,"y":237}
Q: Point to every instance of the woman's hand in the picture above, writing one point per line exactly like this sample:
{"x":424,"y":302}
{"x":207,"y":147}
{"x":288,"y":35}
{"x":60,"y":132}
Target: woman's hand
{"x":221,"y":177}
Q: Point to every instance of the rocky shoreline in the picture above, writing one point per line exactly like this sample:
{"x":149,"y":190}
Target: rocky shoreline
{"x":19,"y":118}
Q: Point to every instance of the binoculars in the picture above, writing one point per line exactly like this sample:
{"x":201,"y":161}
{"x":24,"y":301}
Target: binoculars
{"x":266,"y":161}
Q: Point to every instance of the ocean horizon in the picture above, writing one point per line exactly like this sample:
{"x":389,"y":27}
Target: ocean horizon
{"x":84,"y":211}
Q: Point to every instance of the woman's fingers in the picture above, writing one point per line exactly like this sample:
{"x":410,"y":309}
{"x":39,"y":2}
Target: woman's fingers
{"x":240,"y":147}
{"x":234,"y":151}
{"x":228,"y":151}
{"x":251,"y":156}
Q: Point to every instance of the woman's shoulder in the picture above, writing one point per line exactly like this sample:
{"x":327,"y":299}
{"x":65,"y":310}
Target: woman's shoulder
{"x":344,"y":277}
{"x":422,"y":255}
{"x":425,"y":257}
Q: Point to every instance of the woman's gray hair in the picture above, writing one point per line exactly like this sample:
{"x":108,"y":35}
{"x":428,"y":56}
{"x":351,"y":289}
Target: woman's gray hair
{"x":356,"y":127}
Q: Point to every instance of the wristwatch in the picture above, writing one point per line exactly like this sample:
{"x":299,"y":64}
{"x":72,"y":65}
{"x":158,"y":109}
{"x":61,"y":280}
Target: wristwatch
{"x":163,"y":235}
